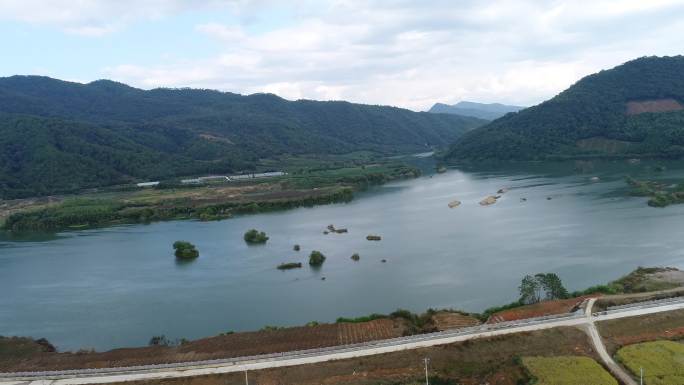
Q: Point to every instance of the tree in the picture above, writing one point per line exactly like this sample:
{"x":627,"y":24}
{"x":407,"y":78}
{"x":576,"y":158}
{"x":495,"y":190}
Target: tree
{"x":549,"y":284}
{"x":529,"y":288}
{"x":316,"y":258}
{"x":254,"y":236}
{"x":185,"y":250}
{"x":553,"y":286}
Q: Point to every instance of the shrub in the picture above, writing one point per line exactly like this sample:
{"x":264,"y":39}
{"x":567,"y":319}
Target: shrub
{"x":185,"y":250}
{"x":355,"y":257}
{"x":290,"y":265}
{"x":296,"y":248}
{"x":254,"y":236}
{"x":316,"y":258}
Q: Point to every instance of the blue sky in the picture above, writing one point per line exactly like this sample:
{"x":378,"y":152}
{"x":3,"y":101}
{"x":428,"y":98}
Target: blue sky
{"x":404,"y":53}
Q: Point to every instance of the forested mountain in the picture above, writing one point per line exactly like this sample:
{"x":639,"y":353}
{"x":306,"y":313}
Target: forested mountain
{"x":635,"y":109}
{"x":489,"y":111}
{"x":58,"y":136}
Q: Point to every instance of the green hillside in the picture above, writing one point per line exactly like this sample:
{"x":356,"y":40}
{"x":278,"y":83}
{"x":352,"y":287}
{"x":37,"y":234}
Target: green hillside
{"x":58,"y":136}
{"x":633,"y":110}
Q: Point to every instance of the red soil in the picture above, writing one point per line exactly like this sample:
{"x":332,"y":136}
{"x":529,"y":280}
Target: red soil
{"x":660,"y":105}
{"x":537,"y":310}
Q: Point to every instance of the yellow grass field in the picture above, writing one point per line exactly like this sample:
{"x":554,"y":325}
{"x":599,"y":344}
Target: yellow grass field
{"x":663,"y":361}
{"x":568,"y":370}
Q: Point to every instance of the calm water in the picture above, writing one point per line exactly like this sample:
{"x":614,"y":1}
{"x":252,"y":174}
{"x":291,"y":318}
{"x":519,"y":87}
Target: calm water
{"x":119,"y":286}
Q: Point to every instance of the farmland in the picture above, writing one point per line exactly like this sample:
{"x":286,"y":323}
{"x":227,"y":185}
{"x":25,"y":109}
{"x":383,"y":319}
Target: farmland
{"x":453,"y":320}
{"x":269,"y":340}
{"x":567,"y":371}
{"x":626,"y":331}
{"x":662,"y":361}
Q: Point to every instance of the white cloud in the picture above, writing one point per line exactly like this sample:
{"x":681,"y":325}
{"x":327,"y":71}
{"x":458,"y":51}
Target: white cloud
{"x":406,"y":53}
{"x":96,"y":17}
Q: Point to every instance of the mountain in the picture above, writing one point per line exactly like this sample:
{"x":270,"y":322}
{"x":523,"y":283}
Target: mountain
{"x":633,"y":110}
{"x":477,"y":110}
{"x":58,"y":136}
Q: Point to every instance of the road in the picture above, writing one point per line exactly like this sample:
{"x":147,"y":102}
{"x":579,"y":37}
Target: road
{"x":600,"y":348}
{"x":584,"y":319}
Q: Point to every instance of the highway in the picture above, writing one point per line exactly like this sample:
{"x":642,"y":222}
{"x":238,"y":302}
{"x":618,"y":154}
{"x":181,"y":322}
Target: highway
{"x":582,"y":318}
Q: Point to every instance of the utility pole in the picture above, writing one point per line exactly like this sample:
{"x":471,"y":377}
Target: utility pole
{"x":641,"y":377}
{"x":246,"y":378}
{"x":427,"y":361}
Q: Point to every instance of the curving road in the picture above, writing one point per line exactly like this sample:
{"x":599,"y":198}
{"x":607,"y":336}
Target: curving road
{"x":583,"y":319}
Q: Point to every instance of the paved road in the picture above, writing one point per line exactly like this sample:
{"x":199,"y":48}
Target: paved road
{"x":600,"y":348}
{"x":582,"y":319}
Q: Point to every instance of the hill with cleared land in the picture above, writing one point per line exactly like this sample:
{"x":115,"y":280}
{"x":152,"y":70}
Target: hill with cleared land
{"x":633,"y":110}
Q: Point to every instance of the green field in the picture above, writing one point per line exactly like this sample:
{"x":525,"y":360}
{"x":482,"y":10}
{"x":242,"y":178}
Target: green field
{"x":567,"y":370}
{"x":662,"y":361}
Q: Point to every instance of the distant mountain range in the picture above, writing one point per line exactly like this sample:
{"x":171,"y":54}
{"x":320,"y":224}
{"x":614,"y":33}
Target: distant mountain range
{"x":58,"y":136}
{"x":477,"y":110}
{"x":633,"y":110}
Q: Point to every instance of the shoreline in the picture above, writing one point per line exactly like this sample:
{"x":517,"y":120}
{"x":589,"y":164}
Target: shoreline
{"x":205,"y":203}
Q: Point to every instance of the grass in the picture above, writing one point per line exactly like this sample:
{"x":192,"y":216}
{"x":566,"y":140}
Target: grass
{"x":662,"y":361}
{"x":302,"y":187}
{"x":567,"y":370}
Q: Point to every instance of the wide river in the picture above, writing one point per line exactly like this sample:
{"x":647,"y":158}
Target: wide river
{"x":119,"y":286}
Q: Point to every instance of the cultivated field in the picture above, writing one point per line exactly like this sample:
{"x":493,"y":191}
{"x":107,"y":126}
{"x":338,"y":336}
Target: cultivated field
{"x":627,"y":331}
{"x":662,"y":361}
{"x":453,"y":320}
{"x":224,"y":346}
{"x":567,"y":371}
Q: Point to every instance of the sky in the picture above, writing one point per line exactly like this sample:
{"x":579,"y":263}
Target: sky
{"x":410,"y":54}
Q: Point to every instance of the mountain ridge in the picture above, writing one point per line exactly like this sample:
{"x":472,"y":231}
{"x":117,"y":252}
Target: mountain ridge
{"x":104,"y":132}
{"x":488,"y":111}
{"x":590,"y":119}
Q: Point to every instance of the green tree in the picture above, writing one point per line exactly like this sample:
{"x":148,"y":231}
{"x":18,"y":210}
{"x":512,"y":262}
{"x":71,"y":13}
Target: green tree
{"x":185,"y":250}
{"x":529,"y":290}
{"x":552,"y":286}
{"x":545,"y":286}
{"x":254,"y":236}
{"x":316,"y":258}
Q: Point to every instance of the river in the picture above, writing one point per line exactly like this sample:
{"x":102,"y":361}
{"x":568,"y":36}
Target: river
{"x":119,"y":286}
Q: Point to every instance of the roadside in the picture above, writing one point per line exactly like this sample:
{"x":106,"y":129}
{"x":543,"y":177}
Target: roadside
{"x":495,"y":361}
{"x":23,"y":354}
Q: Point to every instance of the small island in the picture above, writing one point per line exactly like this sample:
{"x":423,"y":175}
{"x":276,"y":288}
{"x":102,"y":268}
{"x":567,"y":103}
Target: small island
{"x":316,"y":258}
{"x":355,"y":257}
{"x":296,"y":248}
{"x":185,"y":250}
{"x":254,"y":236}
{"x":289,"y":265}
{"x":373,"y":238}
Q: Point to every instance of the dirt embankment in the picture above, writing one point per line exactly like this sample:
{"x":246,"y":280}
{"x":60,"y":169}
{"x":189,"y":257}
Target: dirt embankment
{"x":659,"y":105}
{"x":540,"y":309}
{"x":490,"y":361}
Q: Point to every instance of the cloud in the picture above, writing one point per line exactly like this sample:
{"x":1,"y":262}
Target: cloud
{"x":406,"y":53}
{"x":96,"y":17}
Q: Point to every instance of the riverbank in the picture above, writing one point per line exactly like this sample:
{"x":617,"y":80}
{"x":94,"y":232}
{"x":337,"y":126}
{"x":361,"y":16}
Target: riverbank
{"x":211,"y":202}
{"x":26,"y":354}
